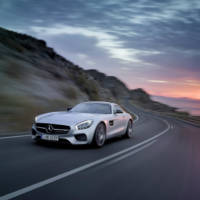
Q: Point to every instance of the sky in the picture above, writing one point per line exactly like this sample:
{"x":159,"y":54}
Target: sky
{"x":149,"y":44}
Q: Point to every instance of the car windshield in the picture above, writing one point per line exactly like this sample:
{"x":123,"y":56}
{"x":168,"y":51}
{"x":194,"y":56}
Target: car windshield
{"x":98,"y":108}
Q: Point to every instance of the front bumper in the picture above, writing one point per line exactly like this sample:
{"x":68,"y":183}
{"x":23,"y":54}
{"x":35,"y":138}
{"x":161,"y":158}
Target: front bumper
{"x":74,"y":137}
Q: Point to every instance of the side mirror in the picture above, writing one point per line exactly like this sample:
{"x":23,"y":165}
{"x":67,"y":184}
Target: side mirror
{"x":118,"y":112}
{"x":69,"y":108}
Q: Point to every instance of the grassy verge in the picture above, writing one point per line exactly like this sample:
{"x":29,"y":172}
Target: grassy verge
{"x":18,"y":113}
{"x":177,"y":114}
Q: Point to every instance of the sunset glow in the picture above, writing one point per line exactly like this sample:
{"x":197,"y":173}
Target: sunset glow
{"x":177,"y":90}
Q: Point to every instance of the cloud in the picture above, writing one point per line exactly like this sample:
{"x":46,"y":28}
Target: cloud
{"x":195,"y":83}
{"x":157,"y":81}
{"x":109,"y":42}
{"x":38,"y":21}
{"x":82,"y":56}
{"x":85,"y":58}
{"x":166,"y":11}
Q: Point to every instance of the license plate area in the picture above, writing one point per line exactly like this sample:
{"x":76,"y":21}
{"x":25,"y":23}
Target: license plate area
{"x":50,"y":137}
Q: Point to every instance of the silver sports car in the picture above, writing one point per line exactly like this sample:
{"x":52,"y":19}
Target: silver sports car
{"x":86,"y":123}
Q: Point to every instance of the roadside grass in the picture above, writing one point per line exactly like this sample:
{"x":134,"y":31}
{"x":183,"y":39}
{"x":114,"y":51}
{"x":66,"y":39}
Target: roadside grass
{"x":70,"y":92}
{"x":13,"y":68}
{"x":186,"y":117}
{"x":17,"y":113}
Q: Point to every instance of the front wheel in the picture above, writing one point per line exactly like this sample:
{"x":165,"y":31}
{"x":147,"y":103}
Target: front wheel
{"x":129,"y":129}
{"x":99,"y":135}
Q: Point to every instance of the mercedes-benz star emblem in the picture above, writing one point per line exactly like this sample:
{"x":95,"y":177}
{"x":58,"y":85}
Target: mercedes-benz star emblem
{"x":50,"y":128}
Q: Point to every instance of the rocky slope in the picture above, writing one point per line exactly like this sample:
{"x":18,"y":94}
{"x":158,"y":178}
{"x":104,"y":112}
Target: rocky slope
{"x":35,"y":79}
{"x":119,"y":91}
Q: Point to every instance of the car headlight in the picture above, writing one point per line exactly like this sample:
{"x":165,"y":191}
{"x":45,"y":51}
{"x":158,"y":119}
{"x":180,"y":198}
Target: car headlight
{"x":84,"y":125}
{"x":36,"y":118}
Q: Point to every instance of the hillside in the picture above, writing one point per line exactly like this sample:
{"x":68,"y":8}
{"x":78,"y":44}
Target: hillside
{"x":35,"y":79}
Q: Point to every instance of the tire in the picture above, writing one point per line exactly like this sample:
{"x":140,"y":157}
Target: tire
{"x":99,"y":135}
{"x":129,"y":130}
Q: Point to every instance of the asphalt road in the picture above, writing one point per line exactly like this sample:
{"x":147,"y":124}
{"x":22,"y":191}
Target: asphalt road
{"x":161,"y":162}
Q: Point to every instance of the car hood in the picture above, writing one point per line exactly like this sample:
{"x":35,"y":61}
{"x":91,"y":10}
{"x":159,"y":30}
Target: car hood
{"x":65,"y":118}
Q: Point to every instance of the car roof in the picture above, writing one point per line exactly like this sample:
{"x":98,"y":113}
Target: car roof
{"x":106,"y":102}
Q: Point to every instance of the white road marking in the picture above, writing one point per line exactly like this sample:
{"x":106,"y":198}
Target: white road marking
{"x":11,"y":137}
{"x":137,"y":118}
{"x":81,"y":168}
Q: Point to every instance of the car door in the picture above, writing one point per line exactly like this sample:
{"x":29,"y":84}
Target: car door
{"x":118,"y":120}
{"x":124,"y":119}
{"x":113,"y":124}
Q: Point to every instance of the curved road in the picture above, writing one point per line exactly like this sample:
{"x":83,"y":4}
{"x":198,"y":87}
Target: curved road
{"x":161,"y":162}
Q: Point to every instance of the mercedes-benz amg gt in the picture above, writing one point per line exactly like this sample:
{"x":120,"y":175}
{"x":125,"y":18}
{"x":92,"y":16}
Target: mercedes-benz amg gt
{"x":86,"y":123}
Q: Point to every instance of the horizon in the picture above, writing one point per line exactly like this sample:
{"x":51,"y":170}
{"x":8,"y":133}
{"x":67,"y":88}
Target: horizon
{"x":151,"y":44}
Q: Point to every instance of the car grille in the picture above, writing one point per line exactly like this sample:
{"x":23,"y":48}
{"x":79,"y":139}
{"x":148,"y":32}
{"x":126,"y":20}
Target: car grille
{"x":52,"y":128}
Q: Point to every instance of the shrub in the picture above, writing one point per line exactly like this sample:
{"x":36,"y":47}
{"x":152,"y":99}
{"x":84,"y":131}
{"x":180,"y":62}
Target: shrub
{"x":70,"y":92}
{"x":14,"y":69}
{"x":88,"y":86}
